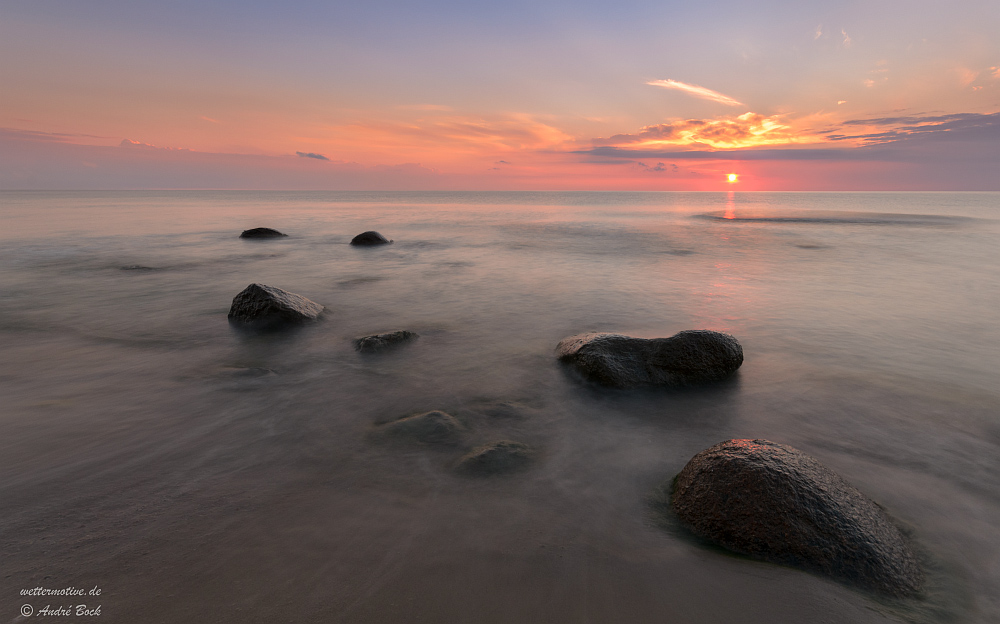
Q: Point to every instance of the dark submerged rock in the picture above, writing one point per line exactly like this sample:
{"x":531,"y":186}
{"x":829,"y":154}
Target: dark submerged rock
{"x":434,"y":427}
{"x":686,"y":358}
{"x":496,"y":458}
{"x":775,"y":503}
{"x":370,"y":238}
{"x":266,"y":307}
{"x":378,"y":342}
{"x":137,"y":267}
{"x":261,"y":232}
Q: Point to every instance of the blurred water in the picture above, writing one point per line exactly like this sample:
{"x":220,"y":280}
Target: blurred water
{"x":197,"y":474}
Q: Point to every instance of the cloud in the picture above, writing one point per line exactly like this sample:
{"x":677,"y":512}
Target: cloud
{"x":131,"y":143}
{"x":208,"y":119}
{"x":311,"y":155}
{"x":912,"y":138}
{"x":37,"y":135}
{"x":893,"y":129}
{"x":746,"y":130}
{"x":695,"y":90}
{"x":847,"y":39}
{"x":425,"y":107}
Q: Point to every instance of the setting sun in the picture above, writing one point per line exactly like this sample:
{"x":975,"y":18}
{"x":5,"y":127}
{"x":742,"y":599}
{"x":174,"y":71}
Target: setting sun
{"x":732,"y":177}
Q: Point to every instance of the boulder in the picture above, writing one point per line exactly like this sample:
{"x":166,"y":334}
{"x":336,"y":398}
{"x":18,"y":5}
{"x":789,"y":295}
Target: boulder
{"x":262,"y":232}
{"x":686,"y":358}
{"x":496,"y":458}
{"x":265,"y":307}
{"x":775,"y":503}
{"x":429,"y":428}
{"x":370,"y":238}
{"x":378,"y":342}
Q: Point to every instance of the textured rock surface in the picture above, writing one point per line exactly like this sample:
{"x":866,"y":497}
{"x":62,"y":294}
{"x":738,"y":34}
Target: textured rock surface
{"x":689,"y":357}
{"x":261,"y":233}
{"x":378,"y":342}
{"x":775,"y":503}
{"x":266,"y":307}
{"x":370,"y":238}
{"x":496,"y":458}
{"x":430,"y":428}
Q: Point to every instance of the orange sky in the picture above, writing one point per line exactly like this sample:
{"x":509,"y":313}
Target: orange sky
{"x":648,"y":96}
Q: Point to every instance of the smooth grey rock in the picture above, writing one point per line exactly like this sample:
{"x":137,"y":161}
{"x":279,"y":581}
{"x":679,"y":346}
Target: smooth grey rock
{"x":434,"y":427}
{"x":378,"y":342}
{"x":689,"y":357}
{"x":261,"y":232}
{"x":265,"y":307}
{"x":496,"y":458}
{"x":775,"y":503}
{"x":370,"y":238}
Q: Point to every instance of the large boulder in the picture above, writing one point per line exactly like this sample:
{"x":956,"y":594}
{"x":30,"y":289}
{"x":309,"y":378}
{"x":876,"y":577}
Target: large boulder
{"x":775,"y":503}
{"x":264,"y":307}
{"x":686,"y":358}
{"x":370,"y":238}
{"x":434,"y":427}
{"x":496,"y":458}
{"x":262,"y":232}
{"x":378,"y":342}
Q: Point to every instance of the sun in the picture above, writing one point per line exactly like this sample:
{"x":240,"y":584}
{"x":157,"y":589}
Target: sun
{"x":732,"y":177}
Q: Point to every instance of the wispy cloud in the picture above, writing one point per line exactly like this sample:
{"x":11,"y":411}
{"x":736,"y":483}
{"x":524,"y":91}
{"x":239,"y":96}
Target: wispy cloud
{"x":208,"y":119}
{"x":425,"y":107}
{"x":311,"y":155}
{"x":696,"y":91}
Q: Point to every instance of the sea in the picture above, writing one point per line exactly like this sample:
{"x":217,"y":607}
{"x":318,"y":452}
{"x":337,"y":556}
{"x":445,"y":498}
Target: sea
{"x":162,"y":466}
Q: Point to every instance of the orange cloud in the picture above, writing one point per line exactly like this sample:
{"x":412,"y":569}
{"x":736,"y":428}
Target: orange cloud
{"x":746,"y":130}
{"x":441,"y":138}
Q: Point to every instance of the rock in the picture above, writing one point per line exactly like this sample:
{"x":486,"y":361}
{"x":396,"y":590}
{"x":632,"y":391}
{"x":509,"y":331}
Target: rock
{"x":137,"y":267}
{"x":496,"y":458}
{"x":378,"y":342}
{"x":266,"y":307}
{"x":370,"y":238}
{"x":775,"y":503}
{"x":686,"y":358}
{"x":430,"y":428}
{"x":261,"y":233}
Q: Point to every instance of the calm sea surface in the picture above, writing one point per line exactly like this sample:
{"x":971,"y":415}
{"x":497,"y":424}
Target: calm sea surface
{"x":197,"y":474}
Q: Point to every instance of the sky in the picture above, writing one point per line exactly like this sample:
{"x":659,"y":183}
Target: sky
{"x":558,"y":95}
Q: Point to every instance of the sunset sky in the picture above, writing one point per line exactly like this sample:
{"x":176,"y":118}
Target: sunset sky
{"x":644,"y":95}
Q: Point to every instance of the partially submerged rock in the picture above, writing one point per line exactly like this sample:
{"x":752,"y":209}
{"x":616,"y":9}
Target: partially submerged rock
{"x":434,"y":427}
{"x":265,"y":307}
{"x":775,"y":503}
{"x":370,"y":238}
{"x":378,"y":342}
{"x":496,"y":458}
{"x":686,"y":358}
{"x":261,"y":232}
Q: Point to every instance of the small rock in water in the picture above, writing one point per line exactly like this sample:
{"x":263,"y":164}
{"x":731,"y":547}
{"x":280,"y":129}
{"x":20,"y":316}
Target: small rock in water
{"x":136,"y":267}
{"x":434,"y":427}
{"x":261,"y":232}
{"x":370,"y":238}
{"x":775,"y":503}
{"x":378,"y":342}
{"x":496,"y":458}
{"x":689,"y":357}
{"x":266,"y":307}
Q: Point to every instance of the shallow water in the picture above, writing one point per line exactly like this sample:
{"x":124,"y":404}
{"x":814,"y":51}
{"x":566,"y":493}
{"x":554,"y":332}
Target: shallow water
{"x":195,"y":473}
